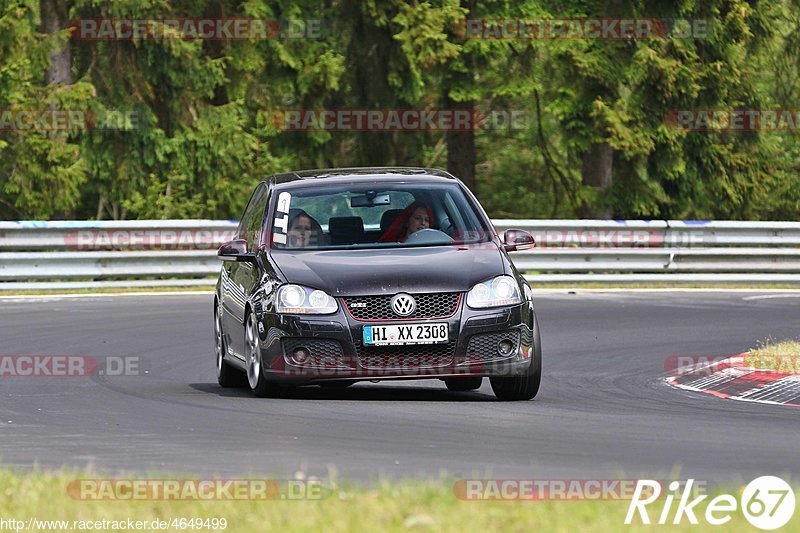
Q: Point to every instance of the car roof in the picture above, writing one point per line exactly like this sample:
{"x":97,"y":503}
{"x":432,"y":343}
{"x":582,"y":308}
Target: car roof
{"x":335,"y":176}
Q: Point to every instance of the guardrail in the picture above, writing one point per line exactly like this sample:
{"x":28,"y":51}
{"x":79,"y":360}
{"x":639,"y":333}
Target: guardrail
{"x":34,"y":235}
{"x":657,"y":233}
{"x":77,"y":254}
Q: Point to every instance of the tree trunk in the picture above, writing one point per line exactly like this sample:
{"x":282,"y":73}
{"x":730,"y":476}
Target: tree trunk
{"x":461,"y":154}
{"x":369,"y":56}
{"x":596,"y":173}
{"x":54,"y":15}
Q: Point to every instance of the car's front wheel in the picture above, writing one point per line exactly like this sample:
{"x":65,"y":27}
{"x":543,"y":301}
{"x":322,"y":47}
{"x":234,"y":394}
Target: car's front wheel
{"x":227,"y":375}
{"x":526,"y":386}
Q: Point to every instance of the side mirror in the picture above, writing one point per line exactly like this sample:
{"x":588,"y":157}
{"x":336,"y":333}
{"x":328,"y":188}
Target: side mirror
{"x":235,"y":250}
{"x":517,"y":239}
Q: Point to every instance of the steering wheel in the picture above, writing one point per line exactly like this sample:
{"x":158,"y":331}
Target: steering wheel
{"x":429,"y":236}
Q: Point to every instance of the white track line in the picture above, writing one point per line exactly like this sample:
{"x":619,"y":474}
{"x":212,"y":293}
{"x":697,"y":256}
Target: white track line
{"x":769,"y":296}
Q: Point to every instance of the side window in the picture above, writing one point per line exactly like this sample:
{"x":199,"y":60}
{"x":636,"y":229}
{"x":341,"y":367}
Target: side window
{"x":250,"y":225}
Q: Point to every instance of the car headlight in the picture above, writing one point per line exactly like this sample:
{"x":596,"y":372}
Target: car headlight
{"x":298,"y":299}
{"x":502,"y":290}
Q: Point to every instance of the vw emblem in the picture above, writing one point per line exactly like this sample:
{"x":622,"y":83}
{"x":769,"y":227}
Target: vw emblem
{"x":403,"y":304}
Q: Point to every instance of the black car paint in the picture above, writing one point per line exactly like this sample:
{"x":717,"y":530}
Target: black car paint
{"x":375,"y":271}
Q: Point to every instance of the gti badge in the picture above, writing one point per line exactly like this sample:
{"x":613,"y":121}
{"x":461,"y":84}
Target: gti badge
{"x":403,"y":304}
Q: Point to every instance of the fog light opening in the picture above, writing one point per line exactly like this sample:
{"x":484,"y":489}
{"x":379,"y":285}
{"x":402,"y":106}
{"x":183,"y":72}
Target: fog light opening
{"x":505,"y":347}
{"x":301,"y":355}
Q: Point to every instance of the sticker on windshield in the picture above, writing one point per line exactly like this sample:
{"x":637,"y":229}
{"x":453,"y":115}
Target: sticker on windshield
{"x":281,"y":223}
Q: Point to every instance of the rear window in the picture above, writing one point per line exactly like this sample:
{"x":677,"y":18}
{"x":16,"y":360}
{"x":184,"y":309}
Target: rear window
{"x":371,"y":216}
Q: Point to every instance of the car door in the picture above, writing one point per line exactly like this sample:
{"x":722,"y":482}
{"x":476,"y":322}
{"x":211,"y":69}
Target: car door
{"x":249,"y":274}
{"x":238,"y":275}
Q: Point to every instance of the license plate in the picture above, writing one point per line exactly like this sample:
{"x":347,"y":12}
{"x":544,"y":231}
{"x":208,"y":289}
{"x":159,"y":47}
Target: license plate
{"x":431,"y":333}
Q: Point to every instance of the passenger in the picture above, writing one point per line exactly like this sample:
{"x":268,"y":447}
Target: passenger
{"x":303,"y":230}
{"x":418,"y":215}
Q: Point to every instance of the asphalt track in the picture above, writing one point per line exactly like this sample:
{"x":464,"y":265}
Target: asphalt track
{"x":603,"y":410}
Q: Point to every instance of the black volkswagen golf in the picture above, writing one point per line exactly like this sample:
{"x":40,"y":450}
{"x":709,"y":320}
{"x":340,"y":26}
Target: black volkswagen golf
{"x":345,"y":275}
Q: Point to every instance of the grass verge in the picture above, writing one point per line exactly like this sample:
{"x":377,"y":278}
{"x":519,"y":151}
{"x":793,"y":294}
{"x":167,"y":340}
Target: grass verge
{"x":387,"y":506}
{"x":772,"y":348}
{"x":782,"y":356}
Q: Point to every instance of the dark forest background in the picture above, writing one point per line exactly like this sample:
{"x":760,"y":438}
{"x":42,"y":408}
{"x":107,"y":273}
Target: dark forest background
{"x":595,"y":142}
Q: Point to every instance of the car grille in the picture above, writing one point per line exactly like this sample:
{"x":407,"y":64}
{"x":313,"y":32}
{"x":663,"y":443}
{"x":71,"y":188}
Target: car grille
{"x":323,"y":353}
{"x":406,"y":357}
{"x":433,"y":305}
{"x":483,"y":347}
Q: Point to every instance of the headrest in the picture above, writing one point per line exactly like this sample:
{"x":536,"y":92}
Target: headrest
{"x":388,"y":217}
{"x":346,"y":230}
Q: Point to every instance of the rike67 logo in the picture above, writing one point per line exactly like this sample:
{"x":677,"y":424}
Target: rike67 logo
{"x":767,"y":502}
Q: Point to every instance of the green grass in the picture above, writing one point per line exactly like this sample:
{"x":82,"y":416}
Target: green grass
{"x":385,"y":506}
{"x":771,"y":348}
{"x":781,"y":356}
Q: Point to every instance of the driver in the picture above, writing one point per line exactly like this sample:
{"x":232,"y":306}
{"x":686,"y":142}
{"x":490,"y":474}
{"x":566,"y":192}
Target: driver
{"x":418,"y":215}
{"x":420,"y":219}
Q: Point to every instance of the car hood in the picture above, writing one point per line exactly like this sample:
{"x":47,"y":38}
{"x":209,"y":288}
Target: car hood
{"x":371,"y":272}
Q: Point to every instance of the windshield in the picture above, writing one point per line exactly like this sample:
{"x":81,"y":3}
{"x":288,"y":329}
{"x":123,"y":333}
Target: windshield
{"x":375,"y":216}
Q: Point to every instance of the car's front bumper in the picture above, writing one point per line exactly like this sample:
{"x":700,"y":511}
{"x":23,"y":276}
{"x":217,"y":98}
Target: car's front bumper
{"x":336,"y":352}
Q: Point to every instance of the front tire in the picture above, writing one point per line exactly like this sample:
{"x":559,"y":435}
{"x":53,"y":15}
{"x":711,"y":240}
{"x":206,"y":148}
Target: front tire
{"x":526,"y":386}
{"x":227,"y":376}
